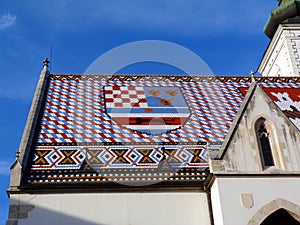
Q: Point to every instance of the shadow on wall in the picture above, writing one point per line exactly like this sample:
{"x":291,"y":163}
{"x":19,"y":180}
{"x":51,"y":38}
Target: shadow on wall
{"x":25,"y":214}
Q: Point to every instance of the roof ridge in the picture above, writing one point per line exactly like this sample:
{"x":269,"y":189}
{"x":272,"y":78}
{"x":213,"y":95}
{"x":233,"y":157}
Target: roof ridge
{"x":170,"y":77}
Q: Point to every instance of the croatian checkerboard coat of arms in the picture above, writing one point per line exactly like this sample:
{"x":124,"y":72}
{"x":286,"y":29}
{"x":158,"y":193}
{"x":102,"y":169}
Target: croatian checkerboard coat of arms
{"x":150,"y":110}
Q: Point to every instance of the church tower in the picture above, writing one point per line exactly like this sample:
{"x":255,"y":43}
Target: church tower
{"x":283,"y":28}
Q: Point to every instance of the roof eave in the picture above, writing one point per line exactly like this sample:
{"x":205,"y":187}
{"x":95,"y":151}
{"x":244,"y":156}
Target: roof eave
{"x":285,"y":11}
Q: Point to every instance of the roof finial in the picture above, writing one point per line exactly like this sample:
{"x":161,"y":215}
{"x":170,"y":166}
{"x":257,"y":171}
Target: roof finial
{"x":46,"y":62}
{"x":252,"y":76}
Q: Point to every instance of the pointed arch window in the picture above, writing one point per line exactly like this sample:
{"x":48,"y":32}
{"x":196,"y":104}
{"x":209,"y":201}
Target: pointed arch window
{"x":263,"y":138}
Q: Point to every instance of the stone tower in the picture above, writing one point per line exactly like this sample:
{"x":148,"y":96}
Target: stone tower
{"x":283,"y":28}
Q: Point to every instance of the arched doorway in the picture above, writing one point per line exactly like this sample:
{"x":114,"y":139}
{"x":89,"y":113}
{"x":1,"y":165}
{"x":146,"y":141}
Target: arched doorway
{"x":280,"y":217}
{"x":277,"y":212}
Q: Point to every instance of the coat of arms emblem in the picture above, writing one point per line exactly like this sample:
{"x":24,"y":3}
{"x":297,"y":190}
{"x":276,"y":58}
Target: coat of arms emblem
{"x":150,"y":110}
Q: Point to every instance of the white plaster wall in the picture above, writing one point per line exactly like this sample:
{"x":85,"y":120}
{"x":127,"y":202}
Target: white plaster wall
{"x":282,"y":64}
{"x":216,"y":203}
{"x":264,"y":190}
{"x":282,"y":55}
{"x":115,"y":209}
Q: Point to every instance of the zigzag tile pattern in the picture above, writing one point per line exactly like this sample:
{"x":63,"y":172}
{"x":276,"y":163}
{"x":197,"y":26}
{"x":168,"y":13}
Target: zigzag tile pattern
{"x":105,"y":157}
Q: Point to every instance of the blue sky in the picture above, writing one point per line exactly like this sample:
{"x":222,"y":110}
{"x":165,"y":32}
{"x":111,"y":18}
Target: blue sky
{"x":226,"y":34}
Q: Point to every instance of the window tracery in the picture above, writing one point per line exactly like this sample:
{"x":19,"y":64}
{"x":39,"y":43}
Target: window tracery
{"x":264,"y":143}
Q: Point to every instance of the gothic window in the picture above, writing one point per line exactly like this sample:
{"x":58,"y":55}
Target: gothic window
{"x":263,"y":138}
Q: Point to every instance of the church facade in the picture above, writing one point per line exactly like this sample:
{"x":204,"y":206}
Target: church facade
{"x":145,"y":149}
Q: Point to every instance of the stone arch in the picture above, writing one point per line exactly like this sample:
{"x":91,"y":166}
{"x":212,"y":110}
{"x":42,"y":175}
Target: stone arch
{"x":272,"y":139}
{"x":273,"y":206}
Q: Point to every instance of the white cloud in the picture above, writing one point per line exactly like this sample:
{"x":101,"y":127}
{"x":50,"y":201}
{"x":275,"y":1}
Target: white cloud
{"x":7,"y":20}
{"x":5,"y":167}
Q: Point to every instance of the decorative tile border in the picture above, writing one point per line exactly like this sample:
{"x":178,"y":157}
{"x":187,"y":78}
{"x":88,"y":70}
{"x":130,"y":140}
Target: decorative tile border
{"x":102,"y":157}
{"x":118,"y":176}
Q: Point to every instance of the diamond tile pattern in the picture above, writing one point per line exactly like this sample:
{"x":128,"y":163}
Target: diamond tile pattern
{"x":75,"y":111}
{"x":75,"y":116}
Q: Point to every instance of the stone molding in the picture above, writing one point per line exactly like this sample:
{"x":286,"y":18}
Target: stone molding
{"x":273,"y":206}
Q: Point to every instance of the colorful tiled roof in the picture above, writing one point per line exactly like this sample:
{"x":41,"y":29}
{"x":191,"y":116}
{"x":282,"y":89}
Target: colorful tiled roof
{"x":138,"y":129}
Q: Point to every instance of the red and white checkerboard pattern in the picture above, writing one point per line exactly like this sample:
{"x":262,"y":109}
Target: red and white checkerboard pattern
{"x":125,"y":97}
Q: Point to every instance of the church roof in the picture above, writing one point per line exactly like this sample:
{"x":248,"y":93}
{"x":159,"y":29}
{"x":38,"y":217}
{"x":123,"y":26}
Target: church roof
{"x":111,"y":130}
